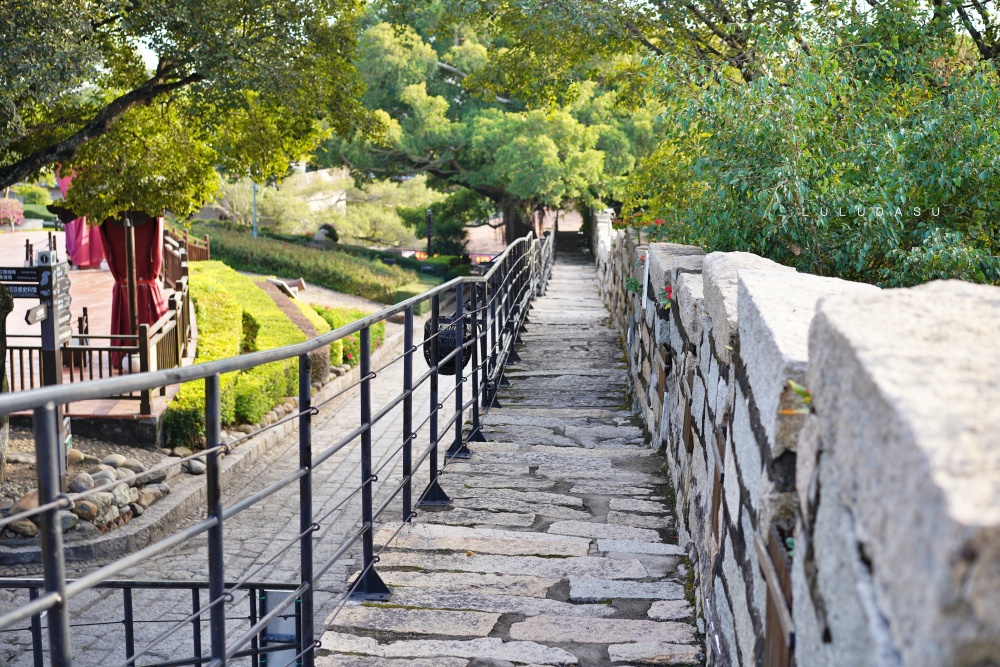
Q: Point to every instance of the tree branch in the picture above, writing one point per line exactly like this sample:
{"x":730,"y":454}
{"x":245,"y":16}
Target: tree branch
{"x":634,"y":29}
{"x":455,"y":70}
{"x":98,"y":125}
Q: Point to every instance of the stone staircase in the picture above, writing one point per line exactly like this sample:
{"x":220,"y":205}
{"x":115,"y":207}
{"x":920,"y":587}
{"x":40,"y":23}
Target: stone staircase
{"x":559,"y":547}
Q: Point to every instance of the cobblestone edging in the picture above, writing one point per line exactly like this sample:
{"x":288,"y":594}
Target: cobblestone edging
{"x":188,"y":492}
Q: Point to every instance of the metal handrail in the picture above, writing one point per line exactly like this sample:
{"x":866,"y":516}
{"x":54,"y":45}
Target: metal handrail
{"x":500,"y":300}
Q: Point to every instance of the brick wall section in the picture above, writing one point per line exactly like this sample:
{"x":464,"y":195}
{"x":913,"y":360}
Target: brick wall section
{"x":861,"y":528}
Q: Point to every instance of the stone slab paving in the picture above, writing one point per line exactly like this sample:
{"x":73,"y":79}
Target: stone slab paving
{"x":558,"y":547}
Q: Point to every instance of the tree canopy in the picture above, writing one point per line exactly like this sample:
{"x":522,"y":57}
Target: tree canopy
{"x":142,"y":100}
{"x":521,"y":159}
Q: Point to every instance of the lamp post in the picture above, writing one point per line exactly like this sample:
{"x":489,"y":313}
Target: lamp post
{"x":255,"y":209}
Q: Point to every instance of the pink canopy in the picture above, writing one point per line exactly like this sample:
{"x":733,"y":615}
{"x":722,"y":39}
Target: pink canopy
{"x":148,"y":262}
{"x":83,"y":242}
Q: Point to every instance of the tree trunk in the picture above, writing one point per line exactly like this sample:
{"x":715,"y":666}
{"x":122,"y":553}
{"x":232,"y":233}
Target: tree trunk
{"x":517,"y":218}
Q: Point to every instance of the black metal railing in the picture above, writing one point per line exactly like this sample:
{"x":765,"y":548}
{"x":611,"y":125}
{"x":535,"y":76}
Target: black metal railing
{"x":496,"y":306}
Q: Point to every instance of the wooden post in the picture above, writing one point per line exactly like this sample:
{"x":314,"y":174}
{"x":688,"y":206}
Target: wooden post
{"x":133,"y":303}
{"x":145,"y":405}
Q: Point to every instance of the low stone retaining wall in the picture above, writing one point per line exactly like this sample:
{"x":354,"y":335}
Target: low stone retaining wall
{"x":835,"y":451}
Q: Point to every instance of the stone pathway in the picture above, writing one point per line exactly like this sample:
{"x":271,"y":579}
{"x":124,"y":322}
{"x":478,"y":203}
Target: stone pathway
{"x":559,"y":547}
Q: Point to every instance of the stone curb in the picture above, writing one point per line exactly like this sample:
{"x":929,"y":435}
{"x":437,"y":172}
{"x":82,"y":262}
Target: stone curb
{"x":161,"y":517}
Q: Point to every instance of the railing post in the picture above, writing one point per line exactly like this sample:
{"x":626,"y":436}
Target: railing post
{"x":478,"y":352}
{"x":47,"y":448}
{"x":492,"y":383}
{"x":216,"y":553}
{"x":196,"y":621}
{"x":408,"y":434}
{"x":145,"y":405}
{"x":434,"y":494}
{"x":458,"y":450}
{"x":129,"y":624}
{"x":306,"y":506}
{"x":369,"y":585}
{"x":38,"y":660}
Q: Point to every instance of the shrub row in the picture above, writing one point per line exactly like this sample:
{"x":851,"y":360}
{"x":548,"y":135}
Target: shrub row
{"x":234,"y":317}
{"x":220,"y":325}
{"x":340,"y":317}
{"x":322,"y":327}
{"x":334,"y":270}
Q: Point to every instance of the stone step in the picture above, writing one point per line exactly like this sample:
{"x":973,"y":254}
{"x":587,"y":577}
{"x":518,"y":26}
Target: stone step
{"x":429,"y":537}
{"x":394,"y":620}
{"x":595,"y":567}
{"x":487,"y":648}
{"x":559,"y":629}
{"x":498,"y":584}
{"x":584,"y":589}
{"x":467,"y":517}
{"x":504,"y":604}
{"x":603,"y":530}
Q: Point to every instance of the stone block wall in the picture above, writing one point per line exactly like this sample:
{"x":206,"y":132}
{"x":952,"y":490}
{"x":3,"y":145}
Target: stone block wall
{"x":834,"y":449}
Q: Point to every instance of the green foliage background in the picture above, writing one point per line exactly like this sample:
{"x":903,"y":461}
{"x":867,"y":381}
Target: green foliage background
{"x":873,"y":154}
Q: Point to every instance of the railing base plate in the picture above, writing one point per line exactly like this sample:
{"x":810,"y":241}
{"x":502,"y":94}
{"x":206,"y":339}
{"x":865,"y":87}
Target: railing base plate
{"x":371,"y":587}
{"x":512,"y":358}
{"x":476,"y":436}
{"x":460,"y":452}
{"x":434,"y":496}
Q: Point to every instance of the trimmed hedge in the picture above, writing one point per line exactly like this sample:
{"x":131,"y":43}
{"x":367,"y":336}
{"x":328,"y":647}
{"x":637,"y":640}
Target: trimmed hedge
{"x":322,"y":327}
{"x":339,"y":317}
{"x":333,"y":270}
{"x":411,"y":290}
{"x":234,"y":316}
{"x":220,"y":320}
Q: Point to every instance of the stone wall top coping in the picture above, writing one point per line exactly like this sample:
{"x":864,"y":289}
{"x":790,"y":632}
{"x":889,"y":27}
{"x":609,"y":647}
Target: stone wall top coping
{"x":663,"y":257}
{"x":931,"y":352}
{"x":775,"y":309}
{"x":904,"y":384}
{"x":720,"y":272}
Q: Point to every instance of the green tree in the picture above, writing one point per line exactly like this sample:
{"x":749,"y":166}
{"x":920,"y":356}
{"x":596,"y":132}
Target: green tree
{"x":247,"y":80}
{"x":871,"y":154}
{"x":522,"y":160}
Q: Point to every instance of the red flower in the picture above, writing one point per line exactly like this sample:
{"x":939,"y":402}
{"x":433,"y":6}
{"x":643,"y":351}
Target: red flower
{"x":658,"y":222}
{"x":668,"y":292}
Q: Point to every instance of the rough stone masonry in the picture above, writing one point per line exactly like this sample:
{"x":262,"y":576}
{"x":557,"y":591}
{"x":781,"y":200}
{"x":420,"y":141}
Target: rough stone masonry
{"x":835,"y":450}
{"x":560,"y":545}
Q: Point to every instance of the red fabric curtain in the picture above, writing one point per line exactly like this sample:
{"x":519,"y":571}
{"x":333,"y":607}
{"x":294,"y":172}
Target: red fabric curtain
{"x":148,"y":262}
{"x":83,"y":244}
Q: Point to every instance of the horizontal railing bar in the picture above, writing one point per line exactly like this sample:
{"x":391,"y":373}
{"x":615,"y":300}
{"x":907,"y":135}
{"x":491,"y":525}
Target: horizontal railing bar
{"x":318,"y":574}
{"x":89,"y":581}
{"x":389,"y":406}
{"x":37,"y":606}
{"x":141,"y":381}
{"x":245,"y":653}
{"x":170,"y":584}
{"x":343,"y":442}
{"x":268,"y":490}
{"x":125,"y":384}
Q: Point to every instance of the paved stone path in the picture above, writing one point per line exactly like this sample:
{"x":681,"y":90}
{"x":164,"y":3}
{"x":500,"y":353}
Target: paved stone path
{"x":559,"y":547}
